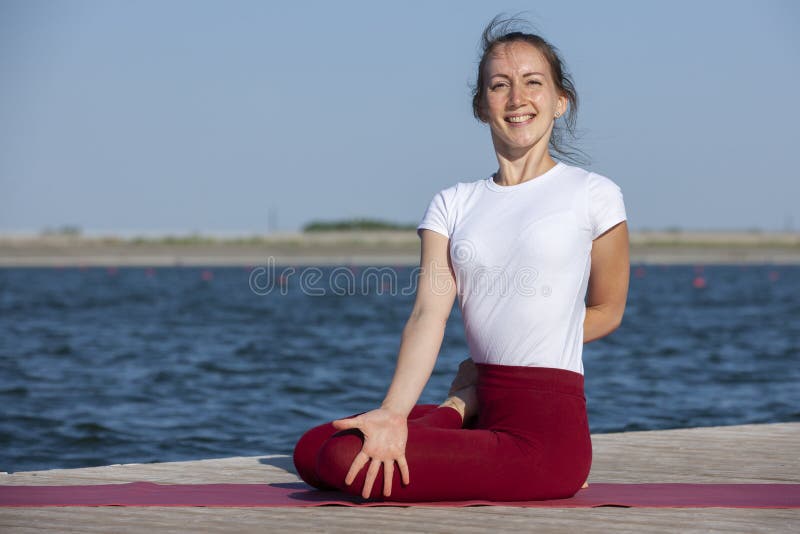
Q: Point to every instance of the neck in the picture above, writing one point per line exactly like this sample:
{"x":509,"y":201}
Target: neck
{"x":517,"y":166}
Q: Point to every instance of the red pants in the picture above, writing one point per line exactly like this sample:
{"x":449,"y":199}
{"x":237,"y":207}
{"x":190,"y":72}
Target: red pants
{"x":530,"y":442}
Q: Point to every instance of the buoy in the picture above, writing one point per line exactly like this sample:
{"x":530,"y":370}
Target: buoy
{"x":699,"y":282}
{"x":207,"y":275}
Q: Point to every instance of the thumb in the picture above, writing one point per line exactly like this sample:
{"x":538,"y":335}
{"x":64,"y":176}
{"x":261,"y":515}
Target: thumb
{"x":344,"y":424}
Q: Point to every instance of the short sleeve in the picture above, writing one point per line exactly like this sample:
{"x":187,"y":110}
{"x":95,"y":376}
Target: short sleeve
{"x":606,"y":204}
{"x":436,"y":216}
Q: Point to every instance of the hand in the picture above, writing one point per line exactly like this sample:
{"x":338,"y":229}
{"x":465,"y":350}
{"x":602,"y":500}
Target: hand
{"x":467,"y":376}
{"x":385,"y":435}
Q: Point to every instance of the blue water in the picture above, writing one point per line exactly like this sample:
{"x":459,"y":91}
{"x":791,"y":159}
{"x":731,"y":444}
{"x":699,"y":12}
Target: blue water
{"x":103,"y":366}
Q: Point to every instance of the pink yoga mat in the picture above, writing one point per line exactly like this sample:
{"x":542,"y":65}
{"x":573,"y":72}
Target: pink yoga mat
{"x":671,"y":495}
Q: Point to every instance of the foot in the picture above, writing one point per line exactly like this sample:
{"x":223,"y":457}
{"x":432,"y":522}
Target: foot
{"x":465,"y":401}
{"x":463,"y":395}
{"x":585,"y":485}
{"x":467,"y":375}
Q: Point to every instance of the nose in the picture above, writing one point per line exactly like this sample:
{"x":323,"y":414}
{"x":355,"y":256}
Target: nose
{"x":515,"y":96}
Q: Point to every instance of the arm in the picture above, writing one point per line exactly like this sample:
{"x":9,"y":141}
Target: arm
{"x":424,"y":330}
{"x":608,"y":283}
{"x":386,"y":429}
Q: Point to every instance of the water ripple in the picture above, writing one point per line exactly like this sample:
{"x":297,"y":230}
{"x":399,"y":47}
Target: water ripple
{"x":98,"y":368}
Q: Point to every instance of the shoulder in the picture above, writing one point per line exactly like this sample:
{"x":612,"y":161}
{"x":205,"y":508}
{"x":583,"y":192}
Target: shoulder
{"x":581,"y":175}
{"x":593,"y":183}
{"x":604,"y":202}
{"x":467,"y":186}
{"x":446,"y":206}
{"x":461,"y":190}
{"x":596,"y":181}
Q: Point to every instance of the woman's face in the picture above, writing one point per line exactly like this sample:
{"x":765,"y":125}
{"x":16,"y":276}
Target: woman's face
{"x":521,"y":99}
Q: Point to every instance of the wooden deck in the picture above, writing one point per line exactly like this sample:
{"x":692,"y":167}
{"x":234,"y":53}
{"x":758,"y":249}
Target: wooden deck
{"x":745,"y":453}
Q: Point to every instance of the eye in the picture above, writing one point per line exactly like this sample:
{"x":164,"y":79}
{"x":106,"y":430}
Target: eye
{"x":534,"y":82}
{"x":498,"y":85}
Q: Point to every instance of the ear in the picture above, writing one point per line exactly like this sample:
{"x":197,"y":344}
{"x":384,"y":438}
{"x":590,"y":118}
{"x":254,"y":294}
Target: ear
{"x":482,"y":112}
{"x":561,"y":106}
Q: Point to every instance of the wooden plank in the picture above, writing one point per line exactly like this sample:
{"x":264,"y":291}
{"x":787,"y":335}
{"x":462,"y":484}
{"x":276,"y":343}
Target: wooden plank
{"x":743,"y":453}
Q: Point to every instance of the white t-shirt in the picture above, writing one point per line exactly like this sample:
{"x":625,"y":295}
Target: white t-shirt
{"x":522,"y":255}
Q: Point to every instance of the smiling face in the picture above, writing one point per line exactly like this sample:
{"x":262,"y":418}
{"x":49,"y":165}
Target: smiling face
{"x":521,"y":99}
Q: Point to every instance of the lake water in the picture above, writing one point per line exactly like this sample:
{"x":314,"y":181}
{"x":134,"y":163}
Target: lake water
{"x":101,"y":366}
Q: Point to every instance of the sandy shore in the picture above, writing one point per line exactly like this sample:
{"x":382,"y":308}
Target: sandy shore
{"x":362,"y":248}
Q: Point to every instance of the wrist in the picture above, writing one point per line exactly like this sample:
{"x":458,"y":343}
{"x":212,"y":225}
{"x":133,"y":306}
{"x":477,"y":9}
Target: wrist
{"x":395,"y":409}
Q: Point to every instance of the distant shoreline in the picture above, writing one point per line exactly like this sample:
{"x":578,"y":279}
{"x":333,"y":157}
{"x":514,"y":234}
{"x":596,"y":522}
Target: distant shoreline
{"x":361,"y":248}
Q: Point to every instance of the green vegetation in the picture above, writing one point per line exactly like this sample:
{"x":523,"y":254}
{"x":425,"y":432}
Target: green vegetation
{"x":67,"y":230}
{"x":199,"y":239}
{"x":721,"y":244}
{"x":193,"y":239}
{"x":355,"y":225}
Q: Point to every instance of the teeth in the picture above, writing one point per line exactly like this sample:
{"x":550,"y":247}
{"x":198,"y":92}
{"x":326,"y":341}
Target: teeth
{"x":522,"y":118}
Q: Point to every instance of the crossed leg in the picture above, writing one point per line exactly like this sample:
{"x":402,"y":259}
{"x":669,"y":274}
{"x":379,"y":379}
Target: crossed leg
{"x":459,"y":464}
{"x":459,"y":410}
{"x":307,"y":450}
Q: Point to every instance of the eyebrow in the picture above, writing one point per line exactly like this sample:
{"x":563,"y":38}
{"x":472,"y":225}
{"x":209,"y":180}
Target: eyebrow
{"x":524,"y":75}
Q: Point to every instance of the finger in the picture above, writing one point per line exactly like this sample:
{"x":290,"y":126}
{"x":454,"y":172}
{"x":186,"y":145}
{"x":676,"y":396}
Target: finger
{"x":360,"y":460}
{"x":404,"y":474}
{"x":372,"y":474}
{"x":388,"y":473}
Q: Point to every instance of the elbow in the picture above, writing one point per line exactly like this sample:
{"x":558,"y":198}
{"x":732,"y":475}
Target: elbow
{"x":607,"y":319}
{"x":615,"y":320}
{"x":615,"y":324}
{"x":600,"y":322}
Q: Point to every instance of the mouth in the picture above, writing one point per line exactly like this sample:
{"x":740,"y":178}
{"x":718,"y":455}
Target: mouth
{"x":520,"y":119}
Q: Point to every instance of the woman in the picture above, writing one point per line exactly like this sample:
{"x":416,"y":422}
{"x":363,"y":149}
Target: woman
{"x":517,"y":249}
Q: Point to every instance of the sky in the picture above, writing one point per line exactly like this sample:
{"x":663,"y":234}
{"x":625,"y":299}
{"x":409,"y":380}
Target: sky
{"x":250,"y":117}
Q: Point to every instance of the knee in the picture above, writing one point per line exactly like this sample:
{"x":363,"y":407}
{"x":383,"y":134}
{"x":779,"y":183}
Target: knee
{"x":336,"y":456}
{"x":306,"y":451}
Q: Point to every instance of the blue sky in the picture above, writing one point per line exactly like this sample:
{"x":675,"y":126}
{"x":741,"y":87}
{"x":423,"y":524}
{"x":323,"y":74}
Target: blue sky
{"x":246,"y":117}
